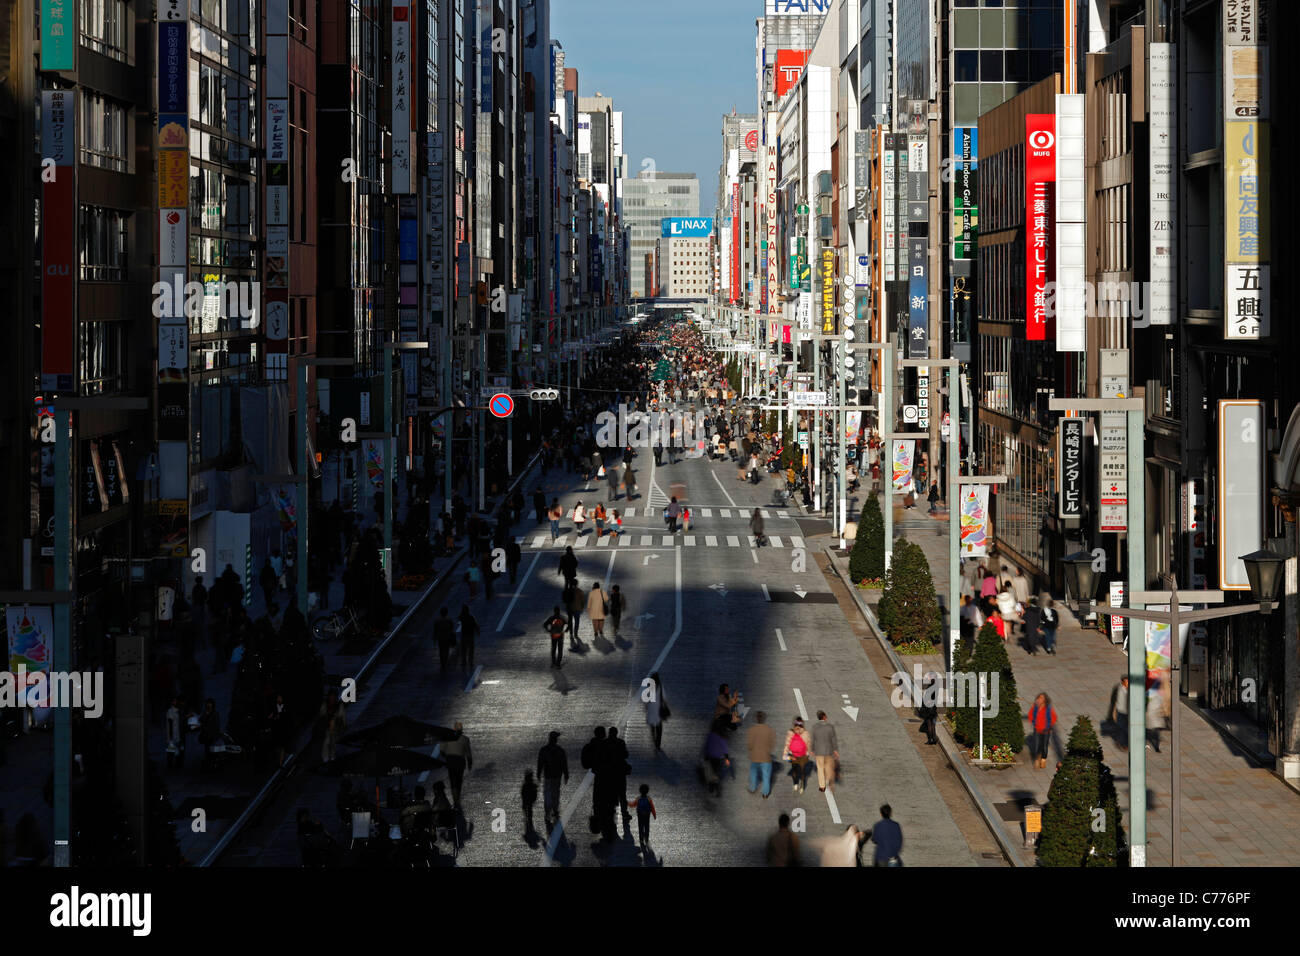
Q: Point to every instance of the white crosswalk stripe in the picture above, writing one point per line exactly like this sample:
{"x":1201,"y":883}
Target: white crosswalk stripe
{"x":707,"y":512}
{"x":690,"y":540}
{"x":560,"y":541}
{"x":539,"y":540}
{"x":733,"y":541}
{"x":710,"y":541}
{"x":579,"y":541}
{"x":630,"y":513}
{"x":624,"y":541}
{"x":542,"y":541}
{"x":775,"y":541}
{"x":647,"y":540}
{"x":796,"y":542}
{"x":602,"y":542}
{"x":763,"y":512}
{"x":724,"y":513}
{"x":752,"y":541}
{"x":783,"y":514}
{"x":668,"y":541}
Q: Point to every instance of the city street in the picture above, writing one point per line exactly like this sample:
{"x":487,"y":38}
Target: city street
{"x":703,"y":607}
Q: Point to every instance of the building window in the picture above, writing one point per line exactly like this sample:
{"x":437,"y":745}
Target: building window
{"x":104,"y":26}
{"x":101,"y":356}
{"x":103,"y":132}
{"x":102,"y":239}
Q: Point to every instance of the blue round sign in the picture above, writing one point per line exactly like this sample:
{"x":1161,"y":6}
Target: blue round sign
{"x":501,"y":405}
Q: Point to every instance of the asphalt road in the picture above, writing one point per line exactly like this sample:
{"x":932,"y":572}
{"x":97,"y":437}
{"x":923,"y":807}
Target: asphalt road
{"x":702,"y":608}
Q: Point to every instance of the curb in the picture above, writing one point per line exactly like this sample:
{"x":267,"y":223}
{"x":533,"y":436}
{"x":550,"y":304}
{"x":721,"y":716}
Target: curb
{"x":1009,"y":850}
{"x":282,"y":775}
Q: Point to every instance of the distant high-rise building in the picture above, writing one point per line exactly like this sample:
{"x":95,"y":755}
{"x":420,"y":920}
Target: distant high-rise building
{"x":648,"y":198}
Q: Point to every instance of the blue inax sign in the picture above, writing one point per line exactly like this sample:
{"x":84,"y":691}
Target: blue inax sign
{"x":686,"y":228}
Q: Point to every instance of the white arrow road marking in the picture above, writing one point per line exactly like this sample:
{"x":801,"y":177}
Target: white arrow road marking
{"x":720,"y":588}
{"x":648,"y":558}
{"x":779,"y":639}
{"x":852,"y":712}
{"x":799,"y":591}
{"x":798,"y":699}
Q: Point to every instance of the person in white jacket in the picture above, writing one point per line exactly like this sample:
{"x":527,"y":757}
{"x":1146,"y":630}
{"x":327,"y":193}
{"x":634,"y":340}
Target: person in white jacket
{"x":579,"y":518}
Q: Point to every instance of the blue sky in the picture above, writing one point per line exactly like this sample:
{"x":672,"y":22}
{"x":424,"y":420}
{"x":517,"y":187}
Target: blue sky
{"x":674,"y":67}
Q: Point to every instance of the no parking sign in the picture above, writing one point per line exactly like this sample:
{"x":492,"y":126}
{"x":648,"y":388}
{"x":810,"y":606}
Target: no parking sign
{"x":501,"y":405}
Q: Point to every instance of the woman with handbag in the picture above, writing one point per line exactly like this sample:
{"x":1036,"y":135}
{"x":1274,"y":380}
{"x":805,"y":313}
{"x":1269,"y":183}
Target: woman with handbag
{"x":579,"y":519}
{"x":798,"y":745}
{"x":656,"y":712}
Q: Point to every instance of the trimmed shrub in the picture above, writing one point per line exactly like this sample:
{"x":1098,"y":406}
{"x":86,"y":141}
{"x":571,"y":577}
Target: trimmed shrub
{"x":990,"y":657}
{"x":1074,"y":834}
{"x":909,"y":608}
{"x":867,"y":562}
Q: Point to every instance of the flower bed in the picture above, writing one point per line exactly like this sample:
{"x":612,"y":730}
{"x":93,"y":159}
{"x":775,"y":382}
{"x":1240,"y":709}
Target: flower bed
{"x":918,"y":647}
{"x":997,"y":753}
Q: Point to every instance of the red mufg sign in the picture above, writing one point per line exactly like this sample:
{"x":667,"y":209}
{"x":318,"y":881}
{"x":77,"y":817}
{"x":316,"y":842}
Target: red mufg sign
{"x":789,"y":64}
{"x":1040,"y":197}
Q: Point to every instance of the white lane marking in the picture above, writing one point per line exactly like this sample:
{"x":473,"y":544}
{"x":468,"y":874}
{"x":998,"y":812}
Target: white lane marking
{"x":646,"y":540}
{"x":690,"y":540}
{"x":610,"y":570}
{"x":835,"y":810}
{"x":752,"y":541}
{"x":733,"y":541}
{"x":707,"y":512}
{"x":766,"y":595}
{"x":754,"y":554}
{"x":473,"y":677}
{"x":711,"y":541}
{"x":775,"y":541}
{"x":780,"y":639}
{"x":798,"y":699}
{"x":558,"y":833}
{"x":724,"y":490}
{"x":511,"y":606}
{"x":796,"y":541}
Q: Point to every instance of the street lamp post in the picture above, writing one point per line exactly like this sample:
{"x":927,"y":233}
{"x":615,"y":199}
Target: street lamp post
{"x":1263,"y":570}
{"x":389,"y":349}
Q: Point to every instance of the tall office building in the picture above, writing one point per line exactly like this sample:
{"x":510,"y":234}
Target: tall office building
{"x":647,"y":199}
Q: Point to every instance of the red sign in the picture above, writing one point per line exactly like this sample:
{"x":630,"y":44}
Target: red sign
{"x":58,"y":280}
{"x":501,"y":405}
{"x":1040,"y":196}
{"x":789,"y":65}
{"x":751,"y":141}
{"x":735,"y":242}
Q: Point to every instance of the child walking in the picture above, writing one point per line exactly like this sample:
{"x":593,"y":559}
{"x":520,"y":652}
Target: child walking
{"x":645,"y":809}
{"x":616,"y":529}
{"x":529,"y":795}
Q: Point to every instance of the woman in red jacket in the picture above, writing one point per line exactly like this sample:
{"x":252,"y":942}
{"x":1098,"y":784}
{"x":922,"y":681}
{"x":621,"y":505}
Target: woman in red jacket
{"x":1042,"y":718}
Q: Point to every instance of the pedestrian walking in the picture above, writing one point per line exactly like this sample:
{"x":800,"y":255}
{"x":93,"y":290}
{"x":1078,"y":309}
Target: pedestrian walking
{"x":1042,"y":718}
{"x":175,"y":724}
{"x":469,"y":630}
{"x":686,"y":518}
{"x":459,"y":759}
{"x":671,"y":514}
{"x":760,"y":742}
{"x":756,"y":528}
{"x":595,"y":757}
{"x":597,"y":608}
{"x":1155,"y":716}
{"x":598,"y":515}
{"x":659,"y":451}
{"x":615,"y":525}
{"x":656,"y":711}
{"x":798,"y":744}
{"x":645,"y":809}
{"x":539,"y":505}
{"x":887,"y":835}
{"x":783,"y":845}
{"x":1119,"y":710}
{"x":569,"y":566}
{"x":617,"y":753}
{"x":577,"y":602}
{"x":614,"y":607}
{"x":514,"y":555}
{"x":629,"y":482}
{"x":444,"y":634}
{"x":555,"y":514}
{"x":716,"y":755}
{"x":826,"y":751}
{"x":552,"y":770}
{"x":579,"y":518}
{"x":929,"y":712}
{"x":555,"y":627}
{"x":1049,"y":619}
{"x":486,"y":573}
{"x":528,"y":797}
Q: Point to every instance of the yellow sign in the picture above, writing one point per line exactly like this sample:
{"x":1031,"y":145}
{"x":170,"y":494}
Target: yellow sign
{"x":1034,"y":820}
{"x":173,"y":178}
{"x":1245,"y":180}
{"x":828,"y":291}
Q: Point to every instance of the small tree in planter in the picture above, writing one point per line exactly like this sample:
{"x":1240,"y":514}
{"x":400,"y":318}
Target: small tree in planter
{"x":989,"y":658}
{"x":909,"y":609}
{"x":867,"y":562}
{"x":1073,"y":835}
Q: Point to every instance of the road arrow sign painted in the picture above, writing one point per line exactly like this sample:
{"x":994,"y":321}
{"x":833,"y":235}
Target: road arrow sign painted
{"x":648,"y":557}
{"x":800,"y":591}
{"x":720,"y":588}
{"x":852,"y":712}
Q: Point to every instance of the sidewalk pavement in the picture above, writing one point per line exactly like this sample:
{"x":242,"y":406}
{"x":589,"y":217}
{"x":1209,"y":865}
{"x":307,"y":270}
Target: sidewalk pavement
{"x":1234,"y":813}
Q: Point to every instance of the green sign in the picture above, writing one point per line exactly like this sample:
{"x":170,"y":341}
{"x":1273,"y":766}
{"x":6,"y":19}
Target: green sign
{"x":58,"y":33}
{"x":801,"y":209}
{"x":794,"y":272}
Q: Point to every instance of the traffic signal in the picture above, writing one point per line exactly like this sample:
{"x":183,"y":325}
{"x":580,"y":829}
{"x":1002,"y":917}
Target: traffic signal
{"x":544,"y":394}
